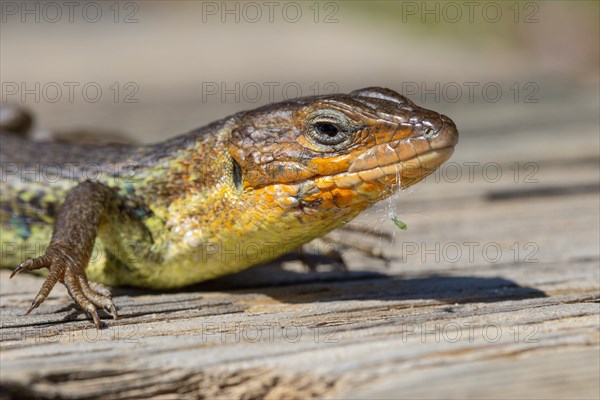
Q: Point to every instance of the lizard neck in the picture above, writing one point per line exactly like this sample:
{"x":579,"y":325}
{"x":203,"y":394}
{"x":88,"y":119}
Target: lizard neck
{"x":181,"y":166}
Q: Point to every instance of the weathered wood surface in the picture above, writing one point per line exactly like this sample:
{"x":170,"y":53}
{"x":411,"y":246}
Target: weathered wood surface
{"x":430,"y":325}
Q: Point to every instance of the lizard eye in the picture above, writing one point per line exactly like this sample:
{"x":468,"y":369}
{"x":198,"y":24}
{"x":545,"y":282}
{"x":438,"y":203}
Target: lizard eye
{"x":329,"y":133}
{"x":326,"y":129}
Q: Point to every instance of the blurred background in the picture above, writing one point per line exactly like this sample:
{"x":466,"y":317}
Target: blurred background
{"x":520,"y":79}
{"x":166,"y":67}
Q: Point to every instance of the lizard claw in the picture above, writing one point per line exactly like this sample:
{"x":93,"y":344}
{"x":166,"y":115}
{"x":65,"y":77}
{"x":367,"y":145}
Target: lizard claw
{"x":35,"y":304}
{"x":87,"y":295}
{"x":97,"y":294}
{"x":113,"y":311}
{"x":95,"y":317}
{"x":30,"y":265}
{"x":16,"y":271}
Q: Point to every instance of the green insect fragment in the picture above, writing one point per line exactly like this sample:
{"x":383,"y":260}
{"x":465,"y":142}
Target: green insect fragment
{"x":398,"y":222}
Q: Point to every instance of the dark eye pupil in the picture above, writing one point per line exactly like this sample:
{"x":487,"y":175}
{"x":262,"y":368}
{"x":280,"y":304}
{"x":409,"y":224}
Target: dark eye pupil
{"x":327,"y":129}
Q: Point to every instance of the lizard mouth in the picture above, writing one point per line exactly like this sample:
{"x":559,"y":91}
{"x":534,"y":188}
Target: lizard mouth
{"x":403,"y":173}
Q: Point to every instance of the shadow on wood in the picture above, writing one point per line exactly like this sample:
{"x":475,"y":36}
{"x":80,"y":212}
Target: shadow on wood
{"x":297,"y":287}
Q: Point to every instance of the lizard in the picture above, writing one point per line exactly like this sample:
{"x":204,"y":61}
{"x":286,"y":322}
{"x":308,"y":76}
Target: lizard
{"x":236,"y":193}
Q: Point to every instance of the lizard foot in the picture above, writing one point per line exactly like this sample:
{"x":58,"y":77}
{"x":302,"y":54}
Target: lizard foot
{"x":338,"y":239}
{"x":88,"y":295}
{"x":330,"y":247}
{"x":365,"y":230}
{"x":313,"y":252}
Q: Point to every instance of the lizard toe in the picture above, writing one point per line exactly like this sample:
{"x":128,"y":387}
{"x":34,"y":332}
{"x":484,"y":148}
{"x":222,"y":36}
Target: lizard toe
{"x":72,"y":280}
{"x":98,"y":295}
{"x":47,"y":286}
{"x":31,"y":265}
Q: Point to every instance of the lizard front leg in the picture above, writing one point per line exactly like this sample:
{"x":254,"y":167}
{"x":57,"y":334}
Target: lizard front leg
{"x":70,"y":249}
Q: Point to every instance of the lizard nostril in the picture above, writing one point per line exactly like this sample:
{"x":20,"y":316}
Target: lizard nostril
{"x":429,"y":127}
{"x":428,"y":131}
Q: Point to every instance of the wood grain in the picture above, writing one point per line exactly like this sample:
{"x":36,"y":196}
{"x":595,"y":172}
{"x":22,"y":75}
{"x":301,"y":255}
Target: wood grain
{"x":520,"y":324}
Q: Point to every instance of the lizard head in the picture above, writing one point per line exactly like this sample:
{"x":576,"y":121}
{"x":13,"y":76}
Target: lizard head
{"x":341,"y":151}
{"x":290,"y":172}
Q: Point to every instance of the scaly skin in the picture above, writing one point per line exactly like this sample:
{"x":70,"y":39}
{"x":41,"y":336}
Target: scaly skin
{"x":236,"y":193}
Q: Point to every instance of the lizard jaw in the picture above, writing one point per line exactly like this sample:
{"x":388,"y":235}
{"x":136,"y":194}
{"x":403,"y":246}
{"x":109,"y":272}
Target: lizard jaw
{"x":399,"y":173}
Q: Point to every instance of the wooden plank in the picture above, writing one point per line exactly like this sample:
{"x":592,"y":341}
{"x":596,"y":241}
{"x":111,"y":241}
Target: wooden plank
{"x":429,"y":324}
{"x":374,"y":332}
